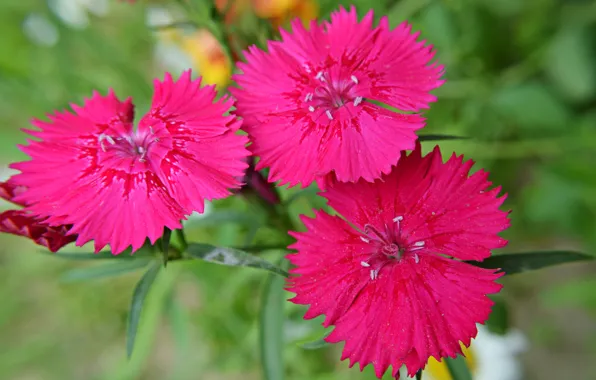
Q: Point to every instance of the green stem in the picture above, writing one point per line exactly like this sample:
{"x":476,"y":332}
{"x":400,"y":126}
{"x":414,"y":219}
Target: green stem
{"x":182,"y":239}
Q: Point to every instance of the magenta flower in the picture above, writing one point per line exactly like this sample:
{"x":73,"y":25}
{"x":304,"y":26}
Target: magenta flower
{"x":311,"y":103}
{"x":396,"y":286}
{"x":117,"y":185}
{"x":22,"y":223}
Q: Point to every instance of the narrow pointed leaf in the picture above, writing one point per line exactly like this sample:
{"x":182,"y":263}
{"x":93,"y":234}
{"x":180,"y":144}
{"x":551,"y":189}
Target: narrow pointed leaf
{"x":231,"y":257}
{"x":316,"y":344}
{"x":271,"y":323}
{"x":458,"y":369}
{"x":89,"y":255}
{"x":136,"y":305}
{"x":105,"y":270}
{"x":440,"y":137}
{"x":419,"y":375}
{"x":512,"y":263}
{"x":218,"y":217}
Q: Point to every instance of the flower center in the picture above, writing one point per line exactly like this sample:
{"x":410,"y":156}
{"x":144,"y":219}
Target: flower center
{"x":332,"y":94}
{"x":135,"y":145}
{"x":388,"y":247}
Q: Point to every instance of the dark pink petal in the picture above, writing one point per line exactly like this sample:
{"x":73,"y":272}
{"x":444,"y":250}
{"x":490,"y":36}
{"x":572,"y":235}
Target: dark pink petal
{"x":205,"y":155}
{"x":119,"y":186}
{"x":441,"y":204}
{"x":9,"y":191}
{"x":20,"y":223}
{"x":389,"y":275}
{"x":306,"y":102}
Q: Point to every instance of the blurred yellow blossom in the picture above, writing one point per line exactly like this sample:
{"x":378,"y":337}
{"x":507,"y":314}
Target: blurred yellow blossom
{"x":438,"y":370}
{"x":208,"y":57}
{"x":278,"y":11}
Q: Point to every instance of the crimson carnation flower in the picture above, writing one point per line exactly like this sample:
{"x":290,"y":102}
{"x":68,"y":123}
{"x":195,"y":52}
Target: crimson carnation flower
{"x":311,"y":103}
{"x":22,"y":223}
{"x":391,"y":276}
{"x":117,"y":185}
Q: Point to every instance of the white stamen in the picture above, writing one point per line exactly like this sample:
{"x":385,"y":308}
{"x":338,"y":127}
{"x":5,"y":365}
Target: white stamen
{"x":328,"y":113}
{"x":354,"y":79}
{"x":141,"y":150}
{"x":419,"y":244}
{"x":357,"y":101}
{"x":320,"y":76}
{"x":398,"y":219}
{"x":110,"y":140}
{"x":364,"y":239}
{"x":364,"y":264}
{"x":373,"y":274}
{"x":416,"y":258}
{"x":311,"y":109}
{"x":308,"y":97}
{"x":151,"y":130}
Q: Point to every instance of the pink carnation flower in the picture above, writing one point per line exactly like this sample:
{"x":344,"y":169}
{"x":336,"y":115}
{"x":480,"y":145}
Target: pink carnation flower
{"x":22,"y":223}
{"x":117,"y":185}
{"x":391,"y":276}
{"x":311,"y":103}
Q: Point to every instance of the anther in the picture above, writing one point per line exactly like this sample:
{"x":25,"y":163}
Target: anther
{"x":398,"y":219}
{"x":320,"y":76}
{"x":311,"y":108}
{"x":373,"y":274}
{"x":308,"y":97}
{"x":416,"y":258}
{"x":354,"y":79}
{"x":419,"y":244}
{"x":151,"y":130}
{"x":357,"y":101}
{"x":328,"y":113}
{"x":364,"y":264}
{"x":364,"y":239}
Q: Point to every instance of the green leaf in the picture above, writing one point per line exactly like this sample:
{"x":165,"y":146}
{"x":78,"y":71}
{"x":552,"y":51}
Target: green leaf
{"x":215,"y":218}
{"x":105,"y":270}
{"x":438,"y":137}
{"x":136,"y":305}
{"x":271,"y":323}
{"x":458,"y":369}
{"x":90,"y":255}
{"x":512,"y":263}
{"x":571,"y":64}
{"x":231,"y":257}
{"x":419,"y":375}
{"x":498,"y":321}
{"x":531,"y":106}
{"x":316,"y":344}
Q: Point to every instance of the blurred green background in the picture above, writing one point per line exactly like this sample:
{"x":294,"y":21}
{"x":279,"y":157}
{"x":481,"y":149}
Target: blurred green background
{"x":521,"y":81}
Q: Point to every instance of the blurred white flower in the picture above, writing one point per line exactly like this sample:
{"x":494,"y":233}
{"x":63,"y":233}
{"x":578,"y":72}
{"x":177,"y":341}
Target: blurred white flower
{"x":75,"y":13}
{"x":40,"y":30}
{"x":489,"y":357}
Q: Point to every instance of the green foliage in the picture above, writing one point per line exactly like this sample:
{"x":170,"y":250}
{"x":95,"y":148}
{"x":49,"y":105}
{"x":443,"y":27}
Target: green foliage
{"x":521,"y":87}
{"x":458,"y":368}
{"x":136,"y":306}
{"x":512,"y":263}
{"x":231,"y":257}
